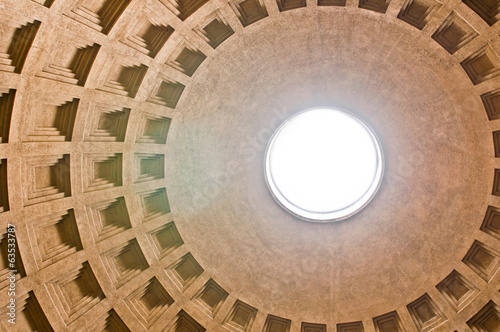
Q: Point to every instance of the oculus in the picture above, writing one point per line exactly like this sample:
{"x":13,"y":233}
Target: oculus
{"x":324,"y":164}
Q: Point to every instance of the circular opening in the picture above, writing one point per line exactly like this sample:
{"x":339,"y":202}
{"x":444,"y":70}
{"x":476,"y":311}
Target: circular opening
{"x":324,"y":164}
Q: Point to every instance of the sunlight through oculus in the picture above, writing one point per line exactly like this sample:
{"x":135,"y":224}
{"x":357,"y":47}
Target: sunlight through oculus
{"x":324,"y":165}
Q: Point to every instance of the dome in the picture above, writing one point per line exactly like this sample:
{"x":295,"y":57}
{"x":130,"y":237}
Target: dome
{"x":133,"y":137}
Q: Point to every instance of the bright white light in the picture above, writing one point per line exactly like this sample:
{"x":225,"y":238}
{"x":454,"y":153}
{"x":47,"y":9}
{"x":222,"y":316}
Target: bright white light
{"x":324,"y":164}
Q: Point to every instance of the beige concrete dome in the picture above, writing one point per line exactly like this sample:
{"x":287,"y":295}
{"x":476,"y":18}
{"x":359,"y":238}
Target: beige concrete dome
{"x":132,"y":143}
